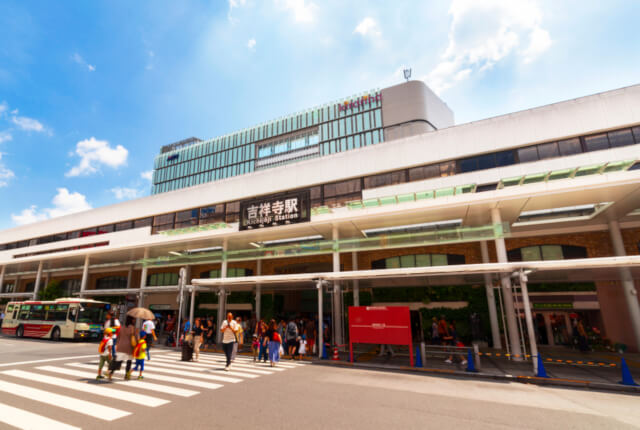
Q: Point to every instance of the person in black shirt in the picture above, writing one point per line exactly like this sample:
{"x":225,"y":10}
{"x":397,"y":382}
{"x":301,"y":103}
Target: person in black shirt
{"x":197,"y":337}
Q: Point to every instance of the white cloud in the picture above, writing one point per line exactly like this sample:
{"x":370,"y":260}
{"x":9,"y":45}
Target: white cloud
{"x":234,"y":4}
{"x":5,"y":174}
{"x":368,"y":27}
{"x":3,"y":107}
{"x":148,"y":175}
{"x":5,"y":136}
{"x":302,"y":11}
{"x":251,"y":44}
{"x":484,"y":33}
{"x":94,"y":153}
{"x":64,"y":203}
{"x":78,"y":59}
{"x":125,"y":193}
{"x":28,"y":124}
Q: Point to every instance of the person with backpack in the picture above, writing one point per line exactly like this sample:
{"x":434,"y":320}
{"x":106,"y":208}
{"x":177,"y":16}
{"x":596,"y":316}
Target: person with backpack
{"x":114,"y":324}
{"x":140,"y":353}
{"x":105,"y":351}
{"x":292,"y":336}
{"x":125,"y":344}
{"x":275,"y":342}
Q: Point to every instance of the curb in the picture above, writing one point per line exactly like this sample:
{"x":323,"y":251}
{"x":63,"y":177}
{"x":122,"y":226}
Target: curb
{"x":570,"y":383}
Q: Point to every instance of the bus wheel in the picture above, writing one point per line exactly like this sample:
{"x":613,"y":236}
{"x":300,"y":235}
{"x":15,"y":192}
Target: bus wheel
{"x":20,"y":331}
{"x":55,"y":334}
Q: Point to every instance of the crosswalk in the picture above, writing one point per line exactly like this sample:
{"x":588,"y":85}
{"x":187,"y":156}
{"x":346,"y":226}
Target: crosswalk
{"x":165,"y":378}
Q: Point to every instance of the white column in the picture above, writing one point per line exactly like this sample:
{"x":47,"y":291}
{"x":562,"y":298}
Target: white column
{"x":130,"y":277}
{"x":356,"y":282}
{"x":47,"y":279}
{"x":85,"y":276}
{"x":628,"y":286}
{"x":143,"y":280}
{"x":320,"y":318}
{"x":549,"y":329}
{"x":491,"y":301}
{"x":222,"y":294}
{"x":337,"y":294}
{"x":36,"y":286}
{"x":529,"y":320}
{"x":258,"y":291}
{"x":567,"y":322}
{"x":192,"y":306}
{"x":512,"y":322}
{"x":2,"y":272}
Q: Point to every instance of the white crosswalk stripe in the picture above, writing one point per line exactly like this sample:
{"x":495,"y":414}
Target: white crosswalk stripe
{"x":162,"y":378}
{"x":91,"y":409}
{"x":166,"y":372}
{"x":144,"y":385}
{"x":111,"y":393}
{"x":217,"y":365}
{"x":29,"y":421}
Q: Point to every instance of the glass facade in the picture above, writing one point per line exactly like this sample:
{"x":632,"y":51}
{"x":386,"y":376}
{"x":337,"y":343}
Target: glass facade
{"x":349,"y":124}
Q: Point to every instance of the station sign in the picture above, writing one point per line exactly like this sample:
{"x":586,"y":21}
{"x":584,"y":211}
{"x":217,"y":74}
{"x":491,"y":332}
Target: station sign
{"x":276,"y":210}
{"x":360,"y":101}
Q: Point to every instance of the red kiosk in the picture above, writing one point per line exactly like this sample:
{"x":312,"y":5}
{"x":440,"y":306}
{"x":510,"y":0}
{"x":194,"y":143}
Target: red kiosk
{"x":385,"y":325}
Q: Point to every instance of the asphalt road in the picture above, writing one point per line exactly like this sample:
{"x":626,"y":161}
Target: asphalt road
{"x":176,"y":395}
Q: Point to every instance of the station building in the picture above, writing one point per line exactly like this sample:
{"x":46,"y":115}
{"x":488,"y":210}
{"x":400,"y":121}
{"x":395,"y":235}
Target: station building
{"x":385,"y":196}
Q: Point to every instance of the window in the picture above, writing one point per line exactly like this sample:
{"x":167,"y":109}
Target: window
{"x":596,"y":142}
{"x":505,"y":158}
{"x":126,"y":225}
{"x":61,"y":312}
{"x":37,"y":313}
{"x":212,"y":214}
{"x":342,"y":188}
{"x":547,"y":252}
{"x":385,"y":179}
{"x":144,"y":222}
{"x":548,"y":150}
{"x":424,"y":172}
{"x":418,"y":260}
{"x":187,"y":218}
{"x":162,"y":279}
{"x":106,"y":229}
{"x":111,"y":283}
{"x":233,"y":212}
{"x":24,"y":312}
{"x":528,"y":154}
{"x":621,"y":138}
{"x":448,"y":168}
{"x":163,"y":219}
{"x":570,"y":147}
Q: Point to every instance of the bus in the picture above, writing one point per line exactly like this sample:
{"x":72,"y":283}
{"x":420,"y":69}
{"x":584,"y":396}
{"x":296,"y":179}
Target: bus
{"x":66,"y":318}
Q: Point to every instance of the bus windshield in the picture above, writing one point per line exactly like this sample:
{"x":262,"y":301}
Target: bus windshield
{"x":92,"y":313}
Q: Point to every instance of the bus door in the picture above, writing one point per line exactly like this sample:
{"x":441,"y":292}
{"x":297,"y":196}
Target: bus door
{"x":9,"y":323}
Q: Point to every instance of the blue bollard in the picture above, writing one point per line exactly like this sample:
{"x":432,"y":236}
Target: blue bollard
{"x":471,"y":365}
{"x":324,"y":352}
{"x":542,"y":373}
{"x":627,"y":379}
{"x":418,"y":362}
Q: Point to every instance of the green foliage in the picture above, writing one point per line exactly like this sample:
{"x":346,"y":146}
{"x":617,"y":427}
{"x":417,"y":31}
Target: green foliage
{"x":51,"y":292}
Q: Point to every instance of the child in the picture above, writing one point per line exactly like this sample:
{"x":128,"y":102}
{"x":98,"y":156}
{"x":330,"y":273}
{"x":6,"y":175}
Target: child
{"x":139,"y":353}
{"x":302,"y":346}
{"x":105,"y":348}
{"x":255,"y":346}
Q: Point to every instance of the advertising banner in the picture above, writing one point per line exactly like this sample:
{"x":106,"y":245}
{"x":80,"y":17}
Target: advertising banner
{"x":271,"y":211}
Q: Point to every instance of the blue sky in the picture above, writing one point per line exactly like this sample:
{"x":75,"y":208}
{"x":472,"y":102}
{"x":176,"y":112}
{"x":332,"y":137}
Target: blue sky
{"x":89,"y":91}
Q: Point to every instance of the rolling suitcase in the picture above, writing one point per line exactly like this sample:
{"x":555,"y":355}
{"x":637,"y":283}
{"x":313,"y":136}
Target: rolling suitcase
{"x":187,"y":351}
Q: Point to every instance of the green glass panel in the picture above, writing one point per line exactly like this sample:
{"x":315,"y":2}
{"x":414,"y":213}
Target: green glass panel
{"x":388,"y":200}
{"x":408,"y":261}
{"x":464,"y":189}
{"x":510,"y":182}
{"x":444,"y":192}
{"x":392,"y":263}
{"x":537,"y":177}
{"x":369,"y":203}
{"x":552,"y":252}
{"x":438,"y":259}
{"x":404,"y":198}
{"x":424,"y":195}
{"x":617,"y":166}
{"x":589,"y":170}
{"x":355,"y":205}
{"x":423,"y":260}
{"x":531,"y":253}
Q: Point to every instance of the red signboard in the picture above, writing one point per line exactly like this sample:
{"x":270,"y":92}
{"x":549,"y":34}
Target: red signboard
{"x":385,"y":325}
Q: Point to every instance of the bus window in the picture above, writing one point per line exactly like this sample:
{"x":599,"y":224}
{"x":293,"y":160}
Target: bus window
{"x":9,"y":309}
{"x":16,"y":309}
{"x":92,"y":313}
{"x":50,"y":312}
{"x":37,"y":313}
{"x":61,"y":312}
{"x":73,"y":314}
{"x":24,"y":312}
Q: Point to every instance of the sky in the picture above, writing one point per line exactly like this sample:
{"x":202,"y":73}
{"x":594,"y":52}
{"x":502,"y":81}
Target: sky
{"x":90,"y":91}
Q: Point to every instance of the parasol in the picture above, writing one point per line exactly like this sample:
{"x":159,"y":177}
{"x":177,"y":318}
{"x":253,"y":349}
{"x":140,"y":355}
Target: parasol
{"x":142,"y":313}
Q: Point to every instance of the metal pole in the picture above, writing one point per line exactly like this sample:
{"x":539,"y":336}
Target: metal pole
{"x":501,"y":252}
{"x":628,"y":287}
{"x":36,"y":286}
{"x":356,"y":282}
{"x":222,"y":299}
{"x":504,"y":323}
{"x":258,"y":293}
{"x":520,"y":329}
{"x":2,"y":272}
{"x":85,"y":276}
{"x":491,"y":300}
{"x":337,"y":293}
{"x":320,"y":323}
{"x":181,"y":282}
{"x":192,"y":306}
{"x":143,"y":280}
{"x":529,"y":319}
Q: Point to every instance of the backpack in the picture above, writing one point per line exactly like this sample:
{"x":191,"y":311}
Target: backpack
{"x":103,"y":345}
{"x":292,"y":330}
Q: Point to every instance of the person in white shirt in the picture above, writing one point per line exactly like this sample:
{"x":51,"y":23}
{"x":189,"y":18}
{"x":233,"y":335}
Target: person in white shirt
{"x":106,"y":345}
{"x":229,"y":328}
{"x":149,"y":327}
{"x":113,"y":323}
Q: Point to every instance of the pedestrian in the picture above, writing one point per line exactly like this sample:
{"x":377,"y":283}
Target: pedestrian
{"x":435,"y":338}
{"x":149,"y":327}
{"x":292,"y":338}
{"x":255,"y":347}
{"x":229,"y":328}
{"x":197,"y":338}
{"x":442,"y":330}
{"x":113,"y":323}
{"x":104,"y":350}
{"x":302,"y":346}
{"x":209,"y":334}
{"x":239,"y":338}
{"x":264,"y":340}
{"x":275,"y":342}
{"x":127,"y":341}
{"x":139,"y":353}
{"x":582,"y":336}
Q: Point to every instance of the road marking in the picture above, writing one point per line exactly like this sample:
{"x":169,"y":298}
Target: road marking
{"x":221,"y":365}
{"x":246,"y":364}
{"x":46,"y":361}
{"x":173,"y":371}
{"x":186,"y":366}
{"x":247,"y":361}
{"x":95,"y":410}
{"x":151,"y":375}
{"x":250,"y":360}
{"x":137,"y":384}
{"x":111,"y":393}
{"x":29,"y":421}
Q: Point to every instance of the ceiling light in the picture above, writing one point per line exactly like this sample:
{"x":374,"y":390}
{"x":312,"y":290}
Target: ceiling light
{"x":292,"y":240}
{"x":176,"y":253}
{"x":414,"y":228}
